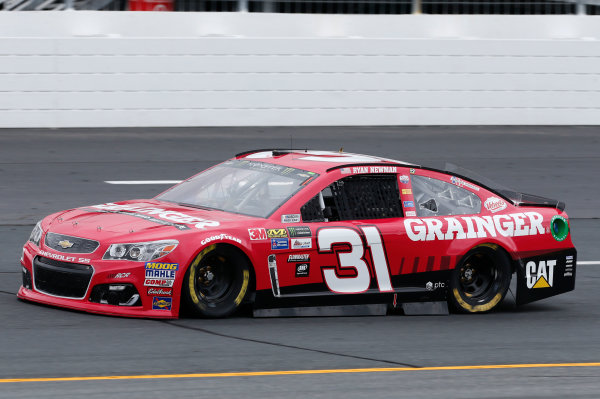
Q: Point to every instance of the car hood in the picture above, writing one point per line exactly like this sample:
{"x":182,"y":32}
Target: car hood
{"x":139,"y":218}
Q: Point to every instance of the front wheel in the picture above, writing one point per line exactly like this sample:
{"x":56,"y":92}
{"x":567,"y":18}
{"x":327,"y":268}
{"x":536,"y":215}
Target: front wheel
{"x":481,"y":280}
{"x":216,"y":282}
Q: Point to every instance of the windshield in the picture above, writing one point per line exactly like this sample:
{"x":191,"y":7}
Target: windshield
{"x":240,"y":186}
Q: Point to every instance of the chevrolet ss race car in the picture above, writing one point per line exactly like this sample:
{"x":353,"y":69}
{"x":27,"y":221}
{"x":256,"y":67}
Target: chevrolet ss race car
{"x":298,"y":232}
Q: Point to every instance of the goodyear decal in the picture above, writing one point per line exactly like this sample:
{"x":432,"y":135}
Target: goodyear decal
{"x":161,"y":303}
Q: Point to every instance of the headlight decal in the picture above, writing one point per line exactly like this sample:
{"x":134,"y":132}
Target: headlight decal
{"x":36,"y":234}
{"x":140,"y":251}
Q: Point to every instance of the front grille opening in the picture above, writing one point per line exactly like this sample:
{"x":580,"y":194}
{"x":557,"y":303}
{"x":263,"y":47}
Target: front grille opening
{"x":116,"y":294}
{"x":70,"y":244}
{"x":52,"y":277}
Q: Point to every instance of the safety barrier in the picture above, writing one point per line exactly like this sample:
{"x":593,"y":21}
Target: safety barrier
{"x":95,"y":69}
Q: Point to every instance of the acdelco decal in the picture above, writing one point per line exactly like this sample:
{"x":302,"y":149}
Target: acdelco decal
{"x":450,"y":228}
{"x":172,"y":216}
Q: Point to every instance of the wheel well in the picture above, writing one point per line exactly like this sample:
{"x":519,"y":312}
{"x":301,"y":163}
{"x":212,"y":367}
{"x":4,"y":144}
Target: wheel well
{"x":495,"y":247}
{"x":229,"y":247}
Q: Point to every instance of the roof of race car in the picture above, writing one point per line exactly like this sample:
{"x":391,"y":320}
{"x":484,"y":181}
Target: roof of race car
{"x":316,"y":161}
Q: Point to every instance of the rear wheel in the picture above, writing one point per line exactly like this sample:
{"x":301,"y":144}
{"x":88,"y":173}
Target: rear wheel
{"x":216,"y":282}
{"x":481,"y":280}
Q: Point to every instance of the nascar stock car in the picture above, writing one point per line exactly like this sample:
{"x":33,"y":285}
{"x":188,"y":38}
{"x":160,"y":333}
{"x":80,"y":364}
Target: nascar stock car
{"x":298,"y":232}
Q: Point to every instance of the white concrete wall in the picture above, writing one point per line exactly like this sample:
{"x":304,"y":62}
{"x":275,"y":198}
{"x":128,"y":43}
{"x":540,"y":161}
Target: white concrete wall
{"x":75,"y":69}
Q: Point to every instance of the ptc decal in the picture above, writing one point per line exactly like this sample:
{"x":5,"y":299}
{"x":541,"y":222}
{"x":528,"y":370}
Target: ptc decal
{"x":540,"y":275}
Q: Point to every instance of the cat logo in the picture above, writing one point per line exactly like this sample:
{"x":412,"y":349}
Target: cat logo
{"x":540,"y":275}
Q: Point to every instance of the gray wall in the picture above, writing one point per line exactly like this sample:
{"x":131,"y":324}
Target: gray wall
{"x":80,"y":69}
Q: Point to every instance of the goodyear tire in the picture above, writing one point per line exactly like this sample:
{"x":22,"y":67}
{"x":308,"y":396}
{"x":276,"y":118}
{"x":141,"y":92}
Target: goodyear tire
{"x":481,"y":280}
{"x":216,"y":282}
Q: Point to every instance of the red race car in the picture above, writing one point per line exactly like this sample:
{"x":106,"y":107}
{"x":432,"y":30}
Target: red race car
{"x":298,"y":232}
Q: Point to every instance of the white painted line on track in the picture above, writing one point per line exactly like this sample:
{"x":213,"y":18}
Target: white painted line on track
{"x":589,"y":263}
{"x":142,"y":181}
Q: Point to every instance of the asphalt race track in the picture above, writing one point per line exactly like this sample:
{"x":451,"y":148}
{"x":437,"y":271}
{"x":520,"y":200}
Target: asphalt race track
{"x":42,"y":171}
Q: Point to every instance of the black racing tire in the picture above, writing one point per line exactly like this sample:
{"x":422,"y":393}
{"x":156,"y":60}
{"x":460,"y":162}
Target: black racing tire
{"x":217,"y":282}
{"x":480,"y":281}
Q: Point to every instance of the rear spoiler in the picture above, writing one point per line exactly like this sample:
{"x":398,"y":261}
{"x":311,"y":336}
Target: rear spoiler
{"x":522,"y":199}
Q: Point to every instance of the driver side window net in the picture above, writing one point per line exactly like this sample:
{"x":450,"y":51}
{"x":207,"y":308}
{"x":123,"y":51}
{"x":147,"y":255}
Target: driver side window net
{"x":434,"y":197}
{"x":354,"y":198}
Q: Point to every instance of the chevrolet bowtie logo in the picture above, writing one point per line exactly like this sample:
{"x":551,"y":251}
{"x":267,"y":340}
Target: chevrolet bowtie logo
{"x":64,"y":244}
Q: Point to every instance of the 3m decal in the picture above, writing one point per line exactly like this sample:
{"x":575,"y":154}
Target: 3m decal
{"x":161,"y":303}
{"x":277,"y":233}
{"x":299,"y":231}
{"x":220,"y":237}
{"x":294,"y":218}
{"x":302,"y":269}
{"x":451,"y":228}
{"x":160,"y":291}
{"x":409,"y":204}
{"x":157,"y":282}
{"x":301,"y":243}
{"x":279,"y":243}
{"x":298,"y":258}
{"x":329,"y":237}
{"x":257,"y":233}
{"x":171,"y":216}
{"x":540,"y":275}
{"x":406,"y":191}
{"x":494,"y":204}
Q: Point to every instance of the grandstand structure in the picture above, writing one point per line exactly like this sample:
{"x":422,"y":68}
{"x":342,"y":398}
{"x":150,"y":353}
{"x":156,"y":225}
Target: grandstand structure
{"x":484,"y":7}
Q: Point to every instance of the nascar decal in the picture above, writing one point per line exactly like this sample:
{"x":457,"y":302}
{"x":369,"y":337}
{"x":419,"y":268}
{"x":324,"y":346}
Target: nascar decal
{"x":494,"y":204}
{"x":450,"y":228}
{"x":540,"y":274}
{"x":277,"y":233}
{"x":257,"y":233}
{"x":220,"y":237}
{"x":171,"y":216}
{"x":161,"y":303}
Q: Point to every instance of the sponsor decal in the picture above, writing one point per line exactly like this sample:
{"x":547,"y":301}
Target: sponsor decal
{"x":412,"y":171}
{"x":64,"y":258}
{"x":434,"y":286}
{"x":406,"y":191}
{"x":345,"y":171}
{"x":302,"y":269}
{"x":279,"y":243}
{"x":541,"y":274}
{"x":411,"y":213}
{"x":257,"y":233}
{"x":170,"y":274}
{"x":301,"y":243}
{"x":118,"y":275}
{"x":157,"y":282}
{"x":568,"y":266}
{"x":161,"y":266}
{"x":220,"y":237}
{"x":160,"y":291}
{"x":294,"y":218}
{"x":559,"y":227}
{"x":161,"y":303}
{"x":299,"y":231}
{"x":298,"y":258}
{"x":409,"y":204}
{"x":461,"y":183}
{"x":494,"y":204}
{"x":403,"y":179}
{"x":171,"y":216}
{"x":277,"y":233}
{"x":460,"y":228}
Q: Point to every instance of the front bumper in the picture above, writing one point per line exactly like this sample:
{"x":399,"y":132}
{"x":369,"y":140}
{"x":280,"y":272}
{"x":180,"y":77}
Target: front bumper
{"x":104,"y":274}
